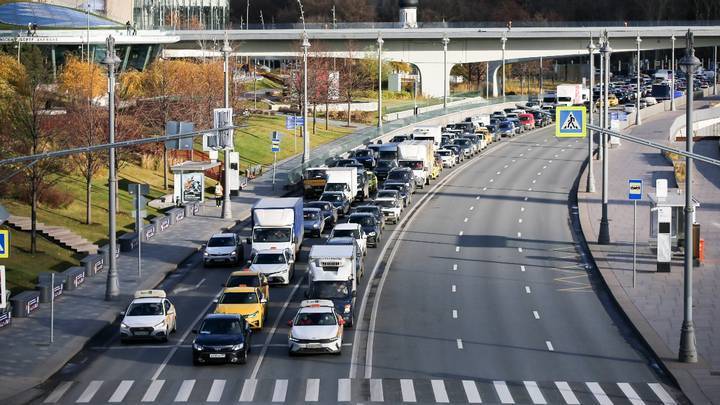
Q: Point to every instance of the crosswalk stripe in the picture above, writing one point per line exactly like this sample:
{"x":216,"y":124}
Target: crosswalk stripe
{"x":153,"y":391}
{"x":344,"y":390}
{"x":312,"y":390}
{"x":280,"y":391}
{"x":567,"y":393}
{"x":535,"y":395}
{"x":598,"y":393}
{"x":216,"y":391}
{"x":58,"y":392}
{"x":121,"y":391}
{"x":438,"y":387}
{"x":185,"y":390}
{"x":662,"y":394}
{"x":631,"y":394}
{"x":408,"y":391}
{"x":376,"y":390}
{"x":471,"y":391}
{"x":503,"y":392}
{"x":89,"y":392}
{"x":248,"y":390}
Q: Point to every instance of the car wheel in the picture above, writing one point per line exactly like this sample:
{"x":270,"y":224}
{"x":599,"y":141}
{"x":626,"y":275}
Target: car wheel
{"x":243,"y":359}
{"x":291,"y":353}
{"x":196,"y":362}
{"x":339,"y":352}
{"x":174,"y":328}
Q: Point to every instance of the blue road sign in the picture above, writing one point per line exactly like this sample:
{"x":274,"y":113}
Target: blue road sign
{"x":570,"y":122}
{"x":635,"y":189}
{"x":290,"y":122}
{"x":299,"y":121}
{"x":276,"y":148}
{"x":4,"y":244}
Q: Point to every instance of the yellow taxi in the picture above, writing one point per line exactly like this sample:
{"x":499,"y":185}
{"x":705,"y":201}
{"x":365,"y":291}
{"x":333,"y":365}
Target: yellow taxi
{"x":483,"y":132}
{"x":246,"y":301}
{"x":247,"y":278}
{"x":613,"y":101}
{"x":437,"y":168}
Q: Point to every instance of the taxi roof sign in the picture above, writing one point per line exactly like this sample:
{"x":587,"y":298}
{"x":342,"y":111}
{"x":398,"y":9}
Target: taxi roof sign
{"x":150,"y":294}
{"x":571,"y":122}
{"x":316,"y":303}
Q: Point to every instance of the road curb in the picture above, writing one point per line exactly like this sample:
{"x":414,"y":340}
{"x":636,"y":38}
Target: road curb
{"x":679,"y":373}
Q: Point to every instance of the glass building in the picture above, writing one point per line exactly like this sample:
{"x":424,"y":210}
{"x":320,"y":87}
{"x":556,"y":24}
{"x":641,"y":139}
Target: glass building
{"x":181,"y":14}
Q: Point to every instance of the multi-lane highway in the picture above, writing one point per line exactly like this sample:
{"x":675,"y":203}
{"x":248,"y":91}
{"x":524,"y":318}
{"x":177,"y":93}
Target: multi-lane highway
{"x":483,"y":294}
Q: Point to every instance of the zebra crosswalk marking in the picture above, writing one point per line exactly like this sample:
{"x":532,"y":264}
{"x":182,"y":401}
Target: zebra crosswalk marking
{"x":58,"y":392}
{"x":89,"y":392}
{"x":376,"y":391}
{"x":662,"y":394}
{"x":248,"y":390}
{"x":312,"y":390}
{"x":598,"y":393}
{"x":567,"y":393}
{"x":407,"y":390}
{"x":185,"y":390}
{"x":503,"y":392}
{"x":535,"y":395}
{"x":216,"y":391}
{"x":280,"y":391}
{"x":344,"y":393}
{"x":153,"y":391}
{"x":121,"y":391}
{"x":438,"y":387}
{"x":471,"y":392}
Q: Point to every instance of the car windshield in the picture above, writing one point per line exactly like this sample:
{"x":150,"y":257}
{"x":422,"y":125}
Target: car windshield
{"x":387,"y":193}
{"x":443,"y":152}
{"x":239,"y":298}
{"x":363,"y":220}
{"x":397,"y":187}
{"x":250,"y":280}
{"x":371,"y":210}
{"x":335,"y":186}
{"x":219,"y":326}
{"x":363,"y":153}
{"x":339,"y":233}
{"x":397,"y":175}
{"x":145,"y":309}
{"x":387,"y":154}
{"x":331,"y":197}
{"x":462,"y":142}
{"x":315,"y":319}
{"x":385,"y":164}
{"x":311,"y":216}
{"x":269,"y":258}
{"x":505,"y":125}
{"x":386,"y":203}
{"x":221,"y":241}
{"x":322,"y":206}
{"x":315,"y":174}
{"x":271,"y":235}
{"x":415,"y":165}
{"x":329,"y":290}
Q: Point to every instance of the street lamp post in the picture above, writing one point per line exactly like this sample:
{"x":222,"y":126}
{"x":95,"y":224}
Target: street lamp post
{"x":306,"y":139}
{"x":590,"y":186}
{"x":601,"y":118}
{"x":689,"y":64}
{"x":638,"y":119}
{"x":672,"y":78}
{"x":112,"y":287}
{"x":604,"y":234}
{"x":445,"y":42}
{"x":227,"y":208}
{"x":379,"y":62}
{"x":715,"y":70}
{"x":503,"y":40}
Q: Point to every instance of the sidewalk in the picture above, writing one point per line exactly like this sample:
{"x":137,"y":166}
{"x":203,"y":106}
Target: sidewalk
{"x":655,"y":305}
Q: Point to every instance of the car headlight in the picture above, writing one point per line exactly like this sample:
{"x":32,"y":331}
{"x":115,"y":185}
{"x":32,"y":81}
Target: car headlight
{"x":206,"y":254}
{"x":198,"y":347}
{"x":292,"y":339}
{"x":316,"y":225}
{"x":254,"y":314}
{"x":159,"y":325}
{"x":238,"y":346}
{"x":347,"y":308}
{"x":123,"y":325}
{"x":372,"y":234}
{"x":234,"y":253}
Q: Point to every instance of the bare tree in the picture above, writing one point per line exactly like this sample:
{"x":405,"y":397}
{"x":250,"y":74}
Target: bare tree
{"x":354,"y":77}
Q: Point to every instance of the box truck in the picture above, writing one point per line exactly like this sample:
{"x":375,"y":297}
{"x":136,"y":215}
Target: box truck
{"x":277,"y":224}
{"x":418,"y":156}
{"x":343,"y":179}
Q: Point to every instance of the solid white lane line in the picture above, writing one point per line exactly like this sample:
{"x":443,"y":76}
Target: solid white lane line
{"x":248,"y":390}
{"x":376,"y":390}
{"x":454,"y":288}
{"x":457,"y":248}
{"x":153,"y":391}
{"x":216,"y":391}
{"x":522,"y":268}
{"x":536,"y":314}
{"x":438,"y":387}
{"x":459,"y":344}
{"x":89,"y":392}
{"x":535,"y":395}
{"x":527,"y":289}
{"x":661,"y":394}
{"x":454,"y":267}
{"x":471,"y":392}
{"x":121,"y":391}
{"x":567,"y":393}
{"x":185,"y":390}
{"x":344,"y":390}
{"x":519,"y":220}
{"x":465,"y":220}
{"x":599,"y":394}
{"x":503,"y":392}
{"x":549,"y":346}
{"x":630,"y":393}
{"x":522,"y":209}
{"x":454,"y":313}
{"x":408,"y":390}
{"x":280,"y":391}
{"x":461,"y":233}
{"x":519,"y":250}
{"x":312,"y":390}
{"x":58,"y":392}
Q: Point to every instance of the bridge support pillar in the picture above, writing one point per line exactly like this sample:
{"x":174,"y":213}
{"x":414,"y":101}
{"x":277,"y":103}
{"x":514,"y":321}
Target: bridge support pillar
{"x":431,"y":75}
{"x":493,"y":70}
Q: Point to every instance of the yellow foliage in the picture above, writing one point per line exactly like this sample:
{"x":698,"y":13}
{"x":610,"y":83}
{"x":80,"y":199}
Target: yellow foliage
{"x":131,"y":84}
{"x":13,"y":77}
{"x":80,"y":79}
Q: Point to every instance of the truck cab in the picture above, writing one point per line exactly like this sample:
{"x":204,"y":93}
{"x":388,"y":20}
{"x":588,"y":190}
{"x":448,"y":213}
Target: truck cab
{"x":332,"y":274}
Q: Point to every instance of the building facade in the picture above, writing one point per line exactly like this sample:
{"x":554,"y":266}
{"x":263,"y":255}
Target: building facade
{"x":181,"y":14}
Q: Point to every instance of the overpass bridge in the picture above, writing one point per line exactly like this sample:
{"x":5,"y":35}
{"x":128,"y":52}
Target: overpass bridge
{"x":422,"y":47}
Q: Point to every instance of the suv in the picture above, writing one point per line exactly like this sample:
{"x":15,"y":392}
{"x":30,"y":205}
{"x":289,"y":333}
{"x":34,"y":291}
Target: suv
{"x":223,"y":248}
{"x":402,"y":175}
{"x":370,"y":226}
{"x":384,"y":167}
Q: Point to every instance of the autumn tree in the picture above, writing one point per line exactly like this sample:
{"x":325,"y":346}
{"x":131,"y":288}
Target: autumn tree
{"x":355,"y":77}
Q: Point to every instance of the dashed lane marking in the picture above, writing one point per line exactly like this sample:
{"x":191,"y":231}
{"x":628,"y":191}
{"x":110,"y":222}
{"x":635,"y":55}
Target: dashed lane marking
{"x":549,"y":346}
{"x":536,"y":314}
{"x":527,"y":289}
{"x":459,"y":344}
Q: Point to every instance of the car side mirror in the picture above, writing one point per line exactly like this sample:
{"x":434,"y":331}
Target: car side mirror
{"x":289,"y":323}
{"x":122,"y":313}
{"x":215,"y":301}
{"x":263,"y":300}
{"x":194,"y":331}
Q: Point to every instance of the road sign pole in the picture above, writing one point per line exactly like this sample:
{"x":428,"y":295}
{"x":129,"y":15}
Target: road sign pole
{"x":138,"y":226}
{"x":634,"y":242}
{"x":274,"y":167}
{"x":52,"y":307}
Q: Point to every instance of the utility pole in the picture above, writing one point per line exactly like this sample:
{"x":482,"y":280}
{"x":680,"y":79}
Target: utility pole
{"x":672,"y":79}
{"x":689,"y":64}
{"x":503,"y":40}
{"x":590,"y":186}
{"x":638,"y":119}
{"x":601,"y":137}
{"x":306,"y":139}
{"x":227,"y":209}
{"x":604,"y":234}
{"x":379,"y":61}
{"x":112,"y":288}
{"x":445,"y":42}
{"x":247,"y":15}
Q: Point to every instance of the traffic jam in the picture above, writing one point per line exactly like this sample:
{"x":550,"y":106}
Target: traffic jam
{"x":347,"y":207}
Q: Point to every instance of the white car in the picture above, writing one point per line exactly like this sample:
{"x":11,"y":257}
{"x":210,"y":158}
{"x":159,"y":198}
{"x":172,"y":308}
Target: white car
{"x":391,"y":209}
{"x":223,"y":248}
{"x":351,"y":230}
{"x":650,"y":100}
{"x":316,"y":328}
{"x":629,"y":108}
{"x":150,"y":315}
{"x":277,"y":265}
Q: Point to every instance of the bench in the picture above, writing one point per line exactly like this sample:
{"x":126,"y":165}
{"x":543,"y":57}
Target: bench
{"x":148,"y":232}
{"x":5,"y":313}
{"x":191,"y":208}
{"x":105,"y":251}
{"x":25,"y":303}
{"x":43,"y":286}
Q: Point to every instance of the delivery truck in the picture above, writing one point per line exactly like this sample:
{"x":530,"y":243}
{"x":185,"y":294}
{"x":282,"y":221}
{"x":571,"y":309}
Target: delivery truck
{"x":314,"y":181}
{"x":277,"y":224}
{"x":418,"y":156}
{"x":571,"y":94}
{"x":343,"y":179}
{"x":428,"y":133}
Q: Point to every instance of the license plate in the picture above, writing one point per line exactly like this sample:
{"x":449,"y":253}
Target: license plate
{"x":217,"y":356}
{"x":314,"y":346}
{"x":142,"y":333}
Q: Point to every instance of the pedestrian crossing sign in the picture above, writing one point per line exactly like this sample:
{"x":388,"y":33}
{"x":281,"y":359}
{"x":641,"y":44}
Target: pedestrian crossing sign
{"x":570,"y":122}
{"x":4,"y":244}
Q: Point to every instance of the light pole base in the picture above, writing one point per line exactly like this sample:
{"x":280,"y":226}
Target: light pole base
{"x":112,"y":289}
{"x":604,"y":235}
{"x":590,"y":186}
{"x":227,"y":212}
{"x":688,"y":353}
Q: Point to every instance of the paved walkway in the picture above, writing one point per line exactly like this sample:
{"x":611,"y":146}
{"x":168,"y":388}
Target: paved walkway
{"x":655,"y":305}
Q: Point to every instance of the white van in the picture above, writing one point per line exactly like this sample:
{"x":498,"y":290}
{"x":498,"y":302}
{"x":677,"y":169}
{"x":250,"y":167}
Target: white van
{"x":333,"y":263}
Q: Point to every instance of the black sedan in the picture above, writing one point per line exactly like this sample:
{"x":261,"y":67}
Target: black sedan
{"x":222,"y":338}
{"x":370,"y":226}
{"x":371,"y":209}
{"x":402,"y":188}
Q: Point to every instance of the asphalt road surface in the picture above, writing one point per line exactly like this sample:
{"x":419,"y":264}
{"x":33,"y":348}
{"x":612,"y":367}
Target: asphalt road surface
{"x":482,"y":294}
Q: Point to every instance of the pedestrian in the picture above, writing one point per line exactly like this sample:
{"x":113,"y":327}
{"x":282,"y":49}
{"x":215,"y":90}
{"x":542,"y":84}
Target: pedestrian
{"x":29,"y":31}
{"x":218,"y":194}
{"x":127,"y":27}
{"x":509,"y":25}
{"x":34,"y":29}
{"x":134,"y":29}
